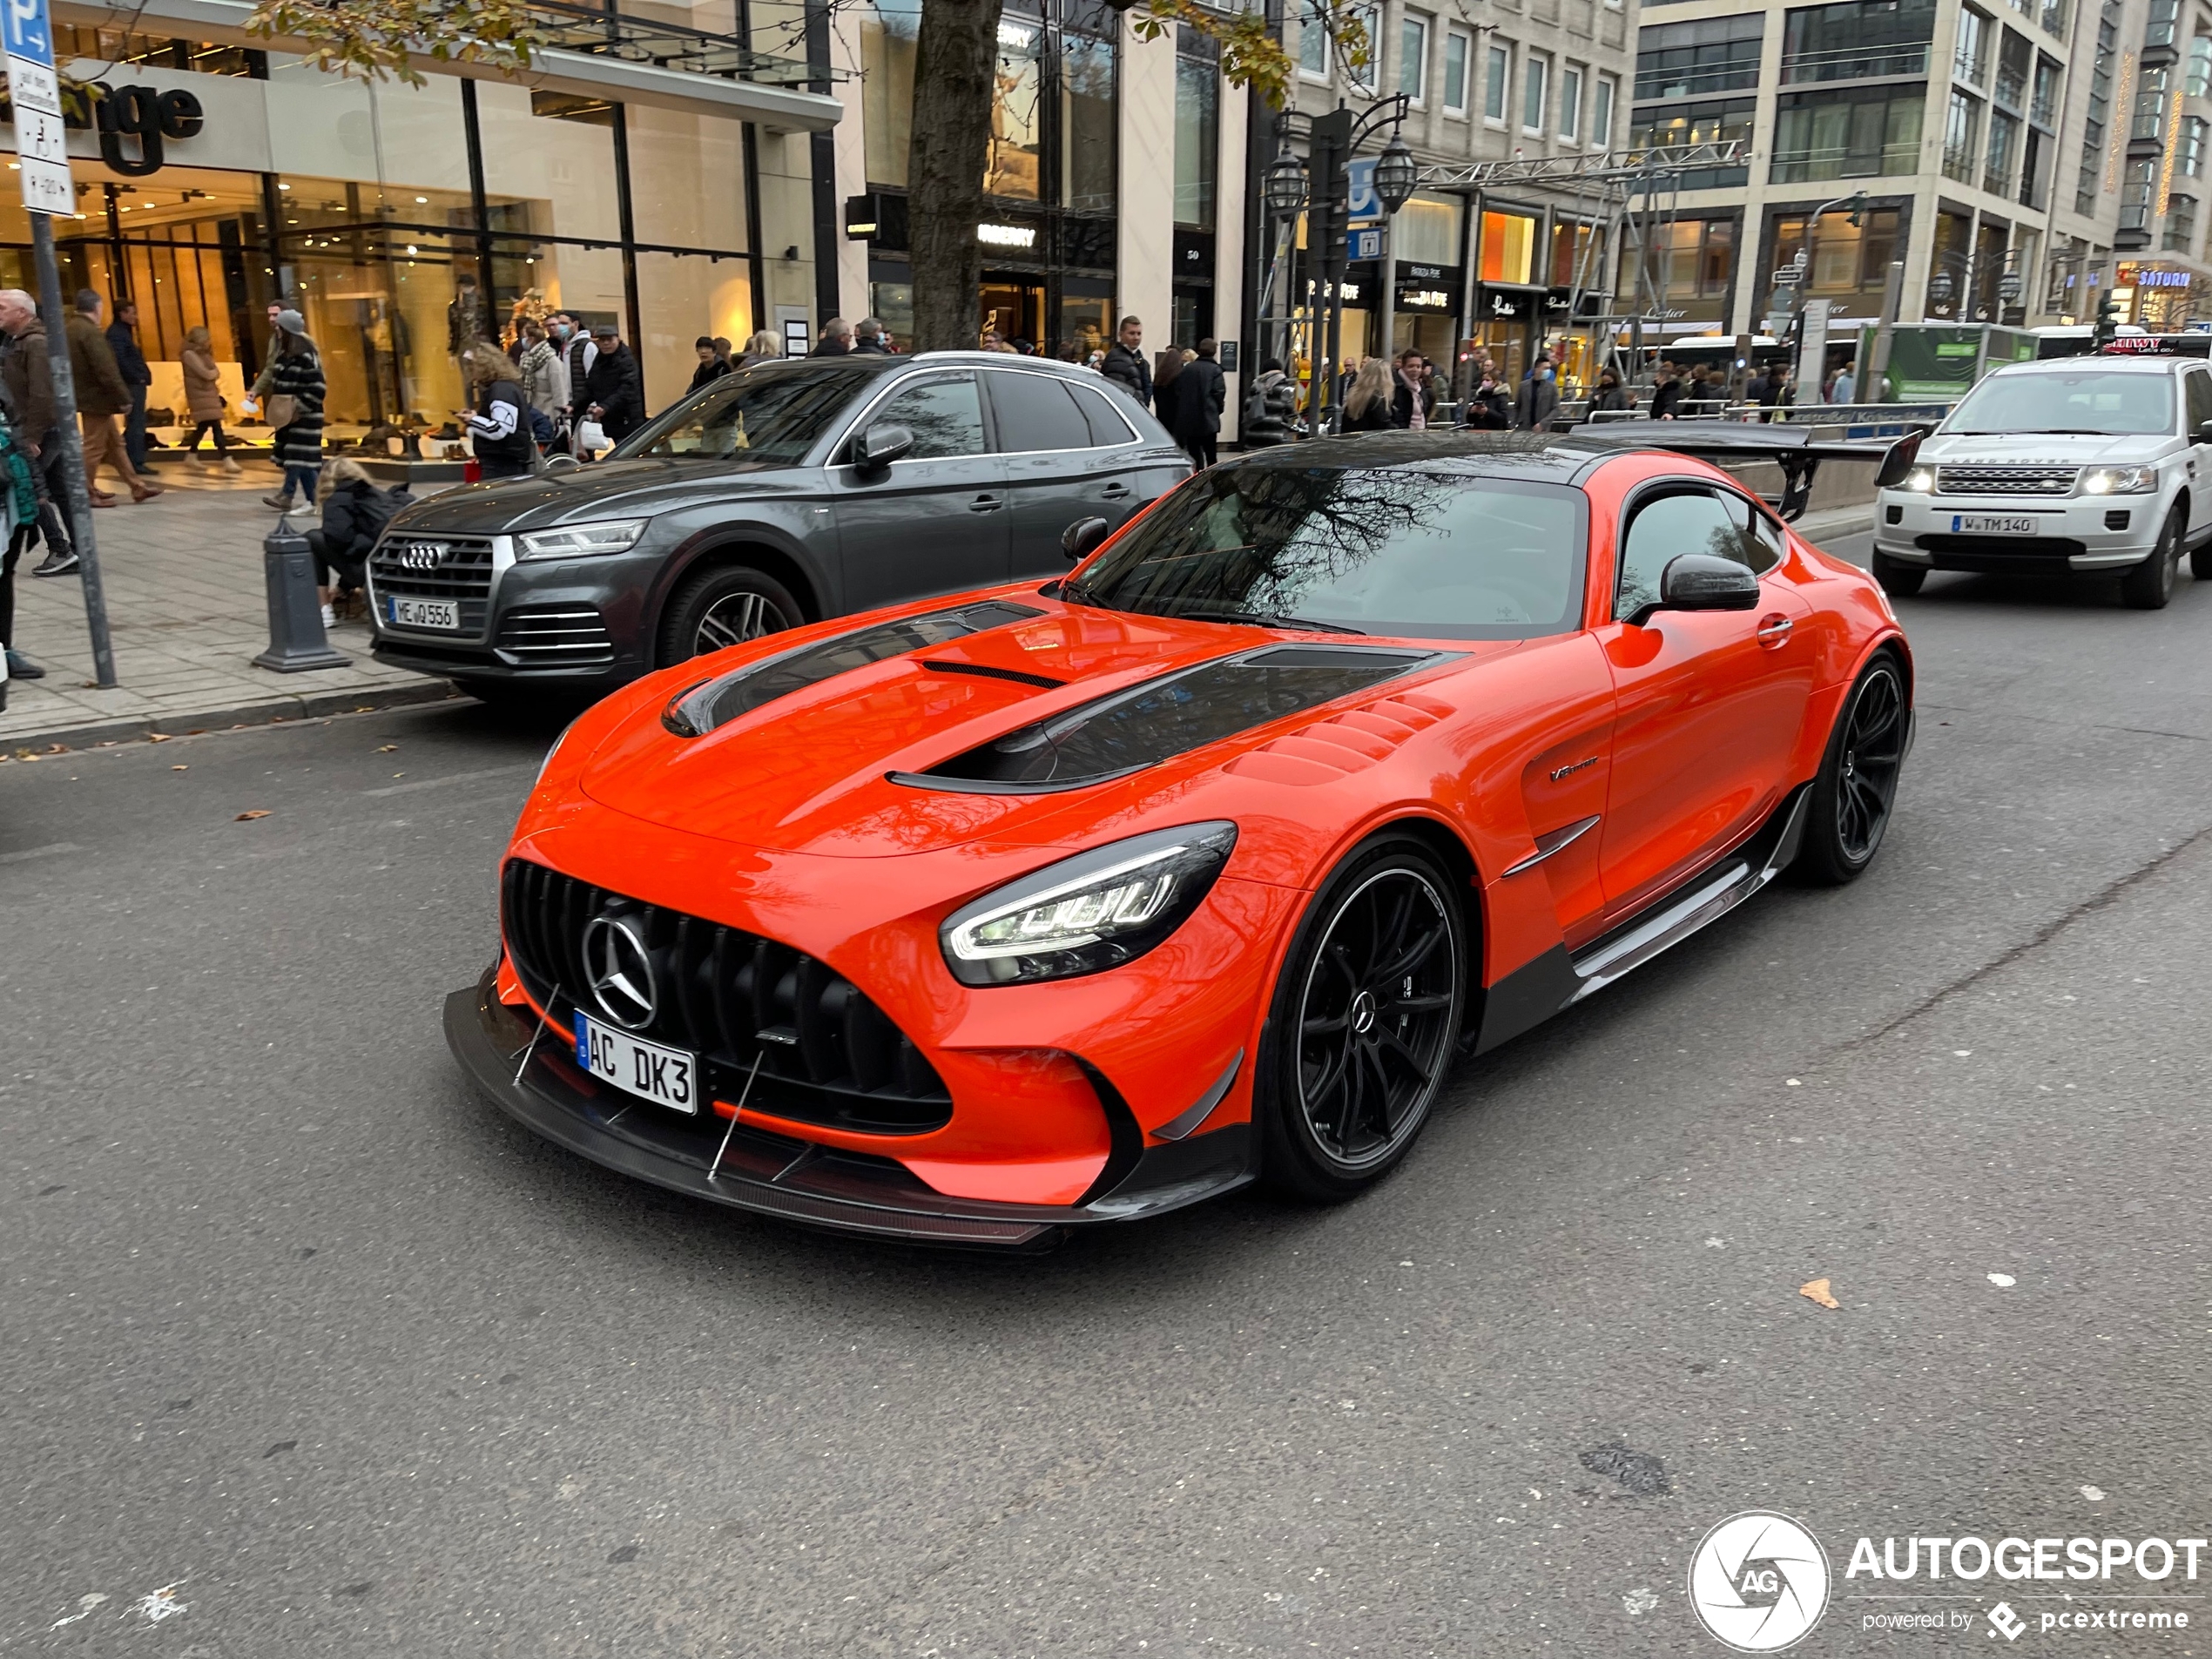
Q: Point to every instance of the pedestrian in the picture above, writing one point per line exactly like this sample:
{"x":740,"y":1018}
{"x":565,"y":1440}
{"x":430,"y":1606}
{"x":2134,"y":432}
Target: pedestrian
{"x":763,"y":348}
{"x":1165,"y":373}
{"x":19,"y":512}
{"x":1701,"y":395}
{"x":836,"y":341}
{"x":1538,"y":399}
{"x":1845,"y":385}
{"x":1411,"y":397}
{"x":1367,"y":403}
{"x":1611,"y":397}
{"x":579,"y":352}
{"x":1269,"y":407}
{"x":712,"y":365}
{"x":1489,"y":402}
{"x":867,"y":339}
{"x":123,"y":341}
{"x":354,"y":512}
{"x":466,"y":321}
{"x":27,"y":375}
{"x":1201,"y":391}
{"x":1755,"y":389}
{"x":295,"y":410}
{"x":1124,"y":363}
{"x":260,"y":389}
{"x":1666,"y":392}
{"x":722,"y":350}
{"x":499,"y":428}
{"x":545,"y":374}
{"x":203,"y":401}
{"x":101,"y":396}
{"x":1777,"y":394}
{"x":613,"y":394}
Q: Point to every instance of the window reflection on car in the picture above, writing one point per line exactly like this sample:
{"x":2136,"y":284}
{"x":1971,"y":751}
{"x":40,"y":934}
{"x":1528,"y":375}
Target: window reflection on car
{"x":1414,"y":554}
{"x":769,"y":416}
{"x":2115,"y":403}
{"x":946,"y":416}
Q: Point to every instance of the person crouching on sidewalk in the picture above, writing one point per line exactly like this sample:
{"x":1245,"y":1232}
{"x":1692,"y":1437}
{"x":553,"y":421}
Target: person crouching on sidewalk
{"x":101,"y":396}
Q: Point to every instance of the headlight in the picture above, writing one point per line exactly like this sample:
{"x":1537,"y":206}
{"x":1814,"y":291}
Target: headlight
{"x":2119,"y":481}
{"x":1919,"y":480}
{"x":1088,"y":913}
{"x":579,"y":541}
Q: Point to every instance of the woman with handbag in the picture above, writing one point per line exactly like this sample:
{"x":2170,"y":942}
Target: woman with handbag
{"x":295,"y":410}
{"x":204,"y":396}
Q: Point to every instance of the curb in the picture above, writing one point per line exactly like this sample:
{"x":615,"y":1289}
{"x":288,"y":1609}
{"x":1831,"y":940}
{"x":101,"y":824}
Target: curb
{"x":263,"y":712}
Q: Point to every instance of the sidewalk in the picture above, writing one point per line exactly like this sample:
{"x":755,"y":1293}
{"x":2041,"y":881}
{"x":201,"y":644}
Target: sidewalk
{"x":188,"y":612}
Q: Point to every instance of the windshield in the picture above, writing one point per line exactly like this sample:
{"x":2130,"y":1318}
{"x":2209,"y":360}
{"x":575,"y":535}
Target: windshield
{"x":1383,"y":551}
{"x":2105,"y":402}
{"x":769,"y":416}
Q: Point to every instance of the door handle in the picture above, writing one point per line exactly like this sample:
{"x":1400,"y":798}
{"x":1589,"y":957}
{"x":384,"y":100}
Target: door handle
{"x":986,"y":503}
{"x":1115,"y":492}
{"x":1774,"y":632}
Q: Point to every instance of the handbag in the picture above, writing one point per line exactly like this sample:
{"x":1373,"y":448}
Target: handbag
{"x":283,"y":409}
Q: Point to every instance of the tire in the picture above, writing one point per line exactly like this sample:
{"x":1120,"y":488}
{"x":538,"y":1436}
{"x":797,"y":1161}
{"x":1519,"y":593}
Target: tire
{"x":1361,"y":1030}
{"x":1899,"y":580}
{"x":1854,"y":797}
{"x":2150,"y":585}
{"x":724,"y":606}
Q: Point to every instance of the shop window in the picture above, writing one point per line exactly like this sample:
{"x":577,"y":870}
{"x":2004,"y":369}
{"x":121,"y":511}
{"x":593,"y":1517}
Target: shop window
{"x":1846,"y":259}
{"x":1572,"y":264}
{"x":1691,"y":259}
{"x":1426,"y":230}
{"x":1508,"y":247}
{"x":1014,"y":161}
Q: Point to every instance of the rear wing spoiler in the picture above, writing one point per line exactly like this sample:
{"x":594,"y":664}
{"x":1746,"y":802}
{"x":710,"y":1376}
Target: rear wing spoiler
{"x":1793,"y":448}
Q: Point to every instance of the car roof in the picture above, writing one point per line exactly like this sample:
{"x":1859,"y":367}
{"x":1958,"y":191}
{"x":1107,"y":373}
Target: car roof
{"x":997,"y":360}
{"x":2136,"y":363}
{"x":1537,"y":456}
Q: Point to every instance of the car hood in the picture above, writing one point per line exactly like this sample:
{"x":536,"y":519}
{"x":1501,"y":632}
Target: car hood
{"x":608,"y":489}
{"x":2043,"y":450}
{"x":910,"y":751}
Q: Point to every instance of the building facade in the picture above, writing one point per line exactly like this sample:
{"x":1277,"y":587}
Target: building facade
{"x":2024,"y":160}
{"x":655,"y":174}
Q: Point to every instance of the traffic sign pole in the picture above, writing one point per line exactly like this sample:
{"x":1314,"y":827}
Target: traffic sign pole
{"x":49,"y":188}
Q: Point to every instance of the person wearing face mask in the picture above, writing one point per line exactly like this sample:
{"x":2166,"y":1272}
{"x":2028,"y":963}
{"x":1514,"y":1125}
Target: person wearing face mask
{"x":1539,"y":398}
{"x":577,"y":354}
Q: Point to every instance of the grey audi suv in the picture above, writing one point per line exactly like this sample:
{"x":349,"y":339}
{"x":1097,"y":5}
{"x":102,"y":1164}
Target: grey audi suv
{"x":785,"y":493}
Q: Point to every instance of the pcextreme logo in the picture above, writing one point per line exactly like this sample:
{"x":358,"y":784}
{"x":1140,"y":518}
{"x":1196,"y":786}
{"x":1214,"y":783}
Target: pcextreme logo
{"x":1759,"y":1581}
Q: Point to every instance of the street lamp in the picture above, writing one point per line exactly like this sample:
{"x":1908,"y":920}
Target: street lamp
{"x":1284,"y":190}
{"x":1396,"y":173}
{"x":1941,"y":287}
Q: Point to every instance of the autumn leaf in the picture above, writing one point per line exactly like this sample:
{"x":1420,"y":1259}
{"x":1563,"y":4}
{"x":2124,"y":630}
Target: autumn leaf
{"x":263,"y":812}
{"x":1818,"y":1292}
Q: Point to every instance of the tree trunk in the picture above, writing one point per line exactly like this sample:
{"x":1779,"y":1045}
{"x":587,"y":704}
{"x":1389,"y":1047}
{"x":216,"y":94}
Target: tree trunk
{"x":954,"y":63}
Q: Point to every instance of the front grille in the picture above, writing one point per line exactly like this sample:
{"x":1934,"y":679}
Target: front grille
{"x":827,"y":1054}
{"x":556,"y":637}
{"x":2005,"y":481}
{"x":2000,"y":555}
{"x":434,"y":567}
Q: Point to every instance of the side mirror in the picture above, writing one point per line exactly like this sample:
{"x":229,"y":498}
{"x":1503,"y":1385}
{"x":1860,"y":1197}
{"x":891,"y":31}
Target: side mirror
{"x":1703,"y":581}
{"x":2203,"y":433}
{"x":874,"y":449}
{"x":1080,"y":539}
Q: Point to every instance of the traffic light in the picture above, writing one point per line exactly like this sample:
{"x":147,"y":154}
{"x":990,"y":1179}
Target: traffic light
{"x":2108,"y":324}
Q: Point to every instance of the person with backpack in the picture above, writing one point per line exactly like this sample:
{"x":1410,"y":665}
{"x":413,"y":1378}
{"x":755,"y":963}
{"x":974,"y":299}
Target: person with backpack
{"x":1269,"y":407}
{"x":499,"y":431}
{"x":353,"y":515}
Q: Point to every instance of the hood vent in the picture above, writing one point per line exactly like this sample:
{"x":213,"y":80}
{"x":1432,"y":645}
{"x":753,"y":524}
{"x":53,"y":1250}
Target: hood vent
{"x":1113,"y":736}
{"x":699,"y":709}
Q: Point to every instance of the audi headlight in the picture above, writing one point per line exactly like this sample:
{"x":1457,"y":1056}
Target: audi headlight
{"x":2119,"y":481}
{"x":1087,"y":913}
{"x":581,"y":541}
{"x":1919,"y":480}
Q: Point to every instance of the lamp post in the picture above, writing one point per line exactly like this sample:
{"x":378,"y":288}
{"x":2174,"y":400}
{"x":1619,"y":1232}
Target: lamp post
{"x":1941,"y":287}
{"x":1857,"y":202}
{"x":1284,"y":193}
{"x":1335,"y":136}
{"x":1396,"y":173}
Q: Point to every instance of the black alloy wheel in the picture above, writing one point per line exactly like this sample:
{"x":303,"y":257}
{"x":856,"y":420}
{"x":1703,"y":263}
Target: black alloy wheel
{"x":2149,"y":585}
{"x":1856,"y":788}
{"x":1361,"y":1032}
{"x":723,"y":607}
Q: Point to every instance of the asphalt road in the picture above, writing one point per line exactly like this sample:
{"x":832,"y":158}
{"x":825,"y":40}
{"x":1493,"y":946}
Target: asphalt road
{"x":325,"y":1357}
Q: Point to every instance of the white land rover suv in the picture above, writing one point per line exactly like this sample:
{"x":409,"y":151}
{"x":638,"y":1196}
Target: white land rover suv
{"x":2080,"y":464}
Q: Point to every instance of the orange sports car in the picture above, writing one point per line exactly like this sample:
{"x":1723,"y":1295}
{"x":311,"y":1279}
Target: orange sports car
{"x":989,"y":916}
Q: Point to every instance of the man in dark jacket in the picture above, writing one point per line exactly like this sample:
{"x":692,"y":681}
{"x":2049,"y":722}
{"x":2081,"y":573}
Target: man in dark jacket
{"x":836,"y":341}
{"x":1538,"y":399}
{"x":122,"y":340}
{"x":1124,"y":363}
{"x":1200,"y":391}
{"x":28,"y":377}
{"x":867,"y":339}
{"x":1666,"y":394}
{"x":613,"y":394}
{"x":101,"y":395}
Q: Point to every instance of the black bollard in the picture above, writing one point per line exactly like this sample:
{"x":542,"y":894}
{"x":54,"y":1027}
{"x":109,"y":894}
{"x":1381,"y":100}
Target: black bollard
{"x":296,"y":639}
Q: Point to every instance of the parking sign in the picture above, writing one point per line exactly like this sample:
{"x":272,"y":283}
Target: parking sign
{"x":41,"y":142}
{"x":1362,"y":205}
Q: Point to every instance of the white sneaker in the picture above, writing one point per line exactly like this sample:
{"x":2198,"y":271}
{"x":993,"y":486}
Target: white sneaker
{"x":329,"y":617}
{"x":232,"y":465}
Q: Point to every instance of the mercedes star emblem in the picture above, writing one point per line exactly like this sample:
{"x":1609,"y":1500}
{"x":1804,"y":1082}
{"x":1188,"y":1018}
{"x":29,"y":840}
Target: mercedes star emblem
{"x":619,"y":970}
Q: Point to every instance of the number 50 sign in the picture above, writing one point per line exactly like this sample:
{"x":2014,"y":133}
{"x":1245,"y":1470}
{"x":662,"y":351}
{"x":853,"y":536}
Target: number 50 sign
{"x":42,"y":143}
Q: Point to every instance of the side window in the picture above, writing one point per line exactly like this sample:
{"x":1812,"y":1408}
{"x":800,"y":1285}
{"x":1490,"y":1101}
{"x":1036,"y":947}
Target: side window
{"x":1106,"y":427}
{"x":2199,"y":399}
{"x":1035,"y":412}
{"x":1694,"y":521}
{"x":1762,"y":536}
{"x":945,"y":415}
